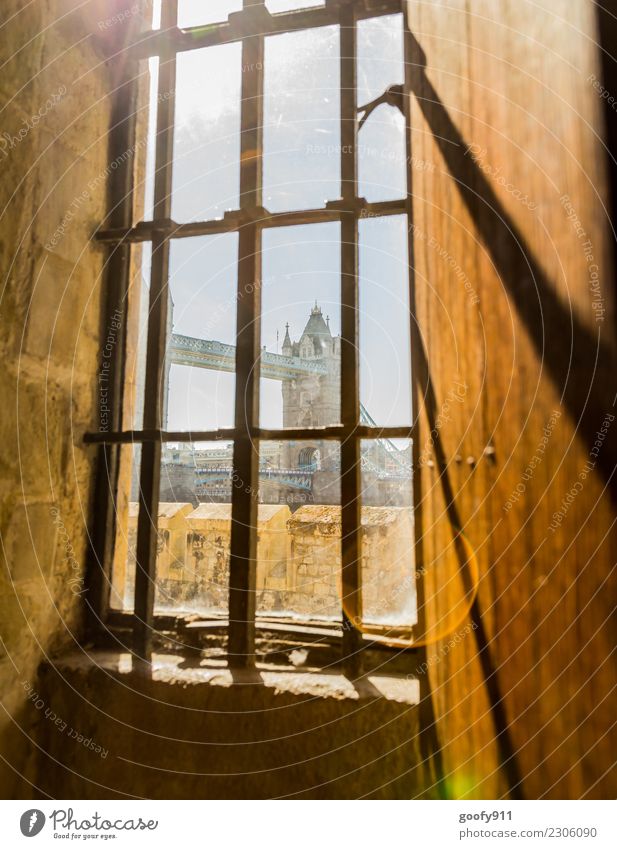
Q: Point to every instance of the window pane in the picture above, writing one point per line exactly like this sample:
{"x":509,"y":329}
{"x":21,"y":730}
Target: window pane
{"x":122,"y":593}
{"x":137,"y":335}
{"x":202,"y":326}
{"x":300,"y":326}
{"x":206,"y":172}
{"x":381,"y":142}
{"x":385,"y":358}
{"x":388,"y":563}
{"x":156,"y":13}
{"x":194,"y":13}
{"x":146,"y":133}
{"x":292,"y":5}
{"x":192,"y":568}
{"x":301,"y":119}
{"x":299,"y":533}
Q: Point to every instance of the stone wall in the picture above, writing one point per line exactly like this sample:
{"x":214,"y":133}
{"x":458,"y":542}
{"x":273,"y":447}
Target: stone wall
{"x":199,"y":732}
{"x":54,"y":158}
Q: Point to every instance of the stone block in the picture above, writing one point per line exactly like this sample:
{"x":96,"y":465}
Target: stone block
{"x":62,"y":320}
{"x":31,"y":542}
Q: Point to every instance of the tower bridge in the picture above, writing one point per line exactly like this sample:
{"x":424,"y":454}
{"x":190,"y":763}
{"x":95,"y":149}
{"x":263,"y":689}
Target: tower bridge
{"x":206,"y":353}
{"x":293,"y":478}
{"x":310,"y":375}
{"x":219,"y":356}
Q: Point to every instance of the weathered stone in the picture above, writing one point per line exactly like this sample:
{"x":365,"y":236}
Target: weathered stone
{"x":286,"y":721}
{"x":51,"y":312}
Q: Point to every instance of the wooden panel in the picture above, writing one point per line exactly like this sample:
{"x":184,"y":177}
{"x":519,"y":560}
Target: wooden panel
{"x":505,"y":126}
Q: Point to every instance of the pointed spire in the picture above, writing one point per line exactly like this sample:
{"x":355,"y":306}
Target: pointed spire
{"x":286,"y":340}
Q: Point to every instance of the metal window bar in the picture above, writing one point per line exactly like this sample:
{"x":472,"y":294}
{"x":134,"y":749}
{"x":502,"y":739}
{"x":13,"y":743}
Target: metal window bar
{"x":238,"y":26}
{"x":150,"y":472}
{"x":120,"y":190}
{"x":350,"y":374}
{"x":251,"y":25}
{"x":243,"y":549}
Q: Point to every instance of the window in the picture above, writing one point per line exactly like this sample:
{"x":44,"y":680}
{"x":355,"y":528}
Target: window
{"x":258,"y":464}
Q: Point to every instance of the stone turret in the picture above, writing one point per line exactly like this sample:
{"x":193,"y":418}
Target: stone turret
{"x":313,"y":400}
{"x":287,"y":349}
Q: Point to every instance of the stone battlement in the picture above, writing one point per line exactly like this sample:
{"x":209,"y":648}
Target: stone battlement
{"x":298,"y":560}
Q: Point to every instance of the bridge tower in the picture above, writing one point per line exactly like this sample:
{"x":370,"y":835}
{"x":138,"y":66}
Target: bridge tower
{"x":313,"y":400}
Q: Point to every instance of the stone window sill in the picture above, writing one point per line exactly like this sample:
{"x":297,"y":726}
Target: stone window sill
{"x":174,"y":669}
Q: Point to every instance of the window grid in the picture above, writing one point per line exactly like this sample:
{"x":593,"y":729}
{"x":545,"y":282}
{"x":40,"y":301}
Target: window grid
{"x":251,"y":26}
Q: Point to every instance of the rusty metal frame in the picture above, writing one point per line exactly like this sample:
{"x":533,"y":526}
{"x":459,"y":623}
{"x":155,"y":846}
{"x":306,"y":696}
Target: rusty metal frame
{"x":240,"y":25}
{"x":120,"y":192}
{"x":350,"y":344}
{"x":232,"y":221}
{"x":251,"y":26}
{"x":243,"y":547}
{"x":339,"y":432}
{"x":150,"y":472}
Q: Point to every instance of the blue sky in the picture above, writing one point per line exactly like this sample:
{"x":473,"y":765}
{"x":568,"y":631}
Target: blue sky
{"x":301,"y":169}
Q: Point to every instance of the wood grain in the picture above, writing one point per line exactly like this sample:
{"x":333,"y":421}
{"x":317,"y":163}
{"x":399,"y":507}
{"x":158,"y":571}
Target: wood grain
{"x":506,"y":123}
